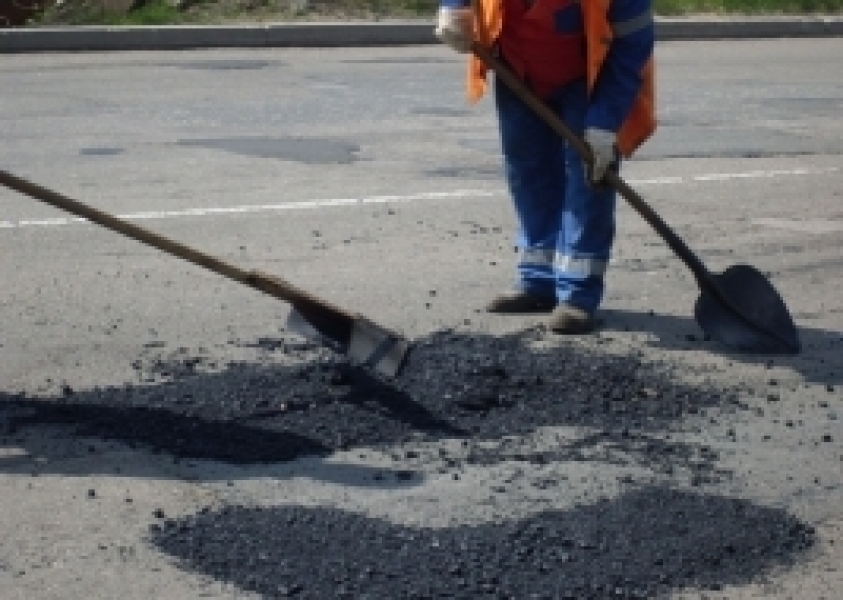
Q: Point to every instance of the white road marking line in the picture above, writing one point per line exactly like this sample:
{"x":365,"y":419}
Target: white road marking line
{"x":761,"y":174}
{"x":48,"y":222}
{"x":253,"y":208}
{"x":802,"y":226}
{"x":656,"y":181}
{"x":332,"y":202}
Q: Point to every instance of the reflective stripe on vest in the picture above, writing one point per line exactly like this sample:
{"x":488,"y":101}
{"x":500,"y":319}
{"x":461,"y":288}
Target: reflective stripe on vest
{"x":543,"y":42}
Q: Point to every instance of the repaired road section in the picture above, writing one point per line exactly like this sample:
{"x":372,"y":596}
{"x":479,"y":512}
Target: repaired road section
{"x":164,"y":437}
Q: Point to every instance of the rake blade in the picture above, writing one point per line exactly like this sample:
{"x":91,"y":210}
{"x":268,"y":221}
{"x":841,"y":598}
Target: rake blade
{"x":296,"y":323}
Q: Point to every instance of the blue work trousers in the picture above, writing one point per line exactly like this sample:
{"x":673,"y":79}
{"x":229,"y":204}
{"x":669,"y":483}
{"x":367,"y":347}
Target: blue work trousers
{"x":566,"y":226}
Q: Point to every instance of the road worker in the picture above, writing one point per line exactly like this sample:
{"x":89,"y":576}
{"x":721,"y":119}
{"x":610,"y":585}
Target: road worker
{"x":591,"y":62}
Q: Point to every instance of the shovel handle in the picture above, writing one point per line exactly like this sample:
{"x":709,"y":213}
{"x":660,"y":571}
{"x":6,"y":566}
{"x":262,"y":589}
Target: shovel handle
{"x":612,"y":179}
{"x":269,"y":284}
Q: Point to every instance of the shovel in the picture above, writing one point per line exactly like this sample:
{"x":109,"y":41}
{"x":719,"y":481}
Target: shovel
{"x":739,"y":307}
{"x":364,"y":342}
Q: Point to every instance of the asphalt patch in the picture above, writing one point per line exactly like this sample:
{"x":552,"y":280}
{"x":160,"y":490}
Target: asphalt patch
{"x":298,"y":400}
{"x":317,"y":151}
{"x":295,"y":399}
{"x":225,"y":65}
{"x":397,"y":60}
{"x":101,"y":151}
{"x":466,"y":172}
{"x":440,"y":111}
{"x":641,"y":544}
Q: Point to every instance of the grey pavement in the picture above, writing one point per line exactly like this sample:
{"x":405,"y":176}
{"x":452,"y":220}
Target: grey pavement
{"x":380,"y":33}
{"x":361,"y":175}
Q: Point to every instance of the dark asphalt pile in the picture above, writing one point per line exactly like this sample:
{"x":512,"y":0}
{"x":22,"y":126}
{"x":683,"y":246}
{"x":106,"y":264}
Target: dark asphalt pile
{"x":296,"y":400}
{"x":293,"y":399}
{"x":641,"y":544}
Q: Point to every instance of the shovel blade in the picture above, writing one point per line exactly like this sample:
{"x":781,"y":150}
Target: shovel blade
{"x":297,"y":323}
{"x":369,"y":345}
{"x":376,"y":348}
{"x":746,"y":313}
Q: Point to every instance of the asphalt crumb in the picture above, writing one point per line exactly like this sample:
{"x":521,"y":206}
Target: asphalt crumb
{"x":297,"y":399}
{"x":639,"y":545}
{"x":293,"y":399}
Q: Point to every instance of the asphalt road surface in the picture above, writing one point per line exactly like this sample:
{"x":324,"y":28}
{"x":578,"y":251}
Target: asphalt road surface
{"x":163,"y":436}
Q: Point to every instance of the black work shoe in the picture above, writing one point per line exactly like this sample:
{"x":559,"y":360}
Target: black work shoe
{"x":569,"y":319}
{"x":518,"y":302}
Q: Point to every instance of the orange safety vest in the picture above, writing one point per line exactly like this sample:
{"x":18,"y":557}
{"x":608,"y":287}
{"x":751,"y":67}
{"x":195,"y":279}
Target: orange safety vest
{"x":640,"y":123}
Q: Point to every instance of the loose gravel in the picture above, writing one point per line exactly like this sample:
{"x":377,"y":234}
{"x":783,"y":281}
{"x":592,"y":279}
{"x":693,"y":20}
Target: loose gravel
{"x":296,"y":400}
{"x":639,"y":545}
{"x":292,"y":400}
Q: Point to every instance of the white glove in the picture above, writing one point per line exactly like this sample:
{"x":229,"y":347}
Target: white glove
{"x":602,"y":144}
{"x":455,"y":27}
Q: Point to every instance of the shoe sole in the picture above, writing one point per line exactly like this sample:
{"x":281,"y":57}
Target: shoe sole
{"x":573,"y":326}
{"x":519,"y":305}
{"x":573,"y":330}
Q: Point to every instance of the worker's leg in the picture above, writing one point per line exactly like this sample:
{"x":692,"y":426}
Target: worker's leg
{"x":587,"y":223}
{"x":531,"y":152}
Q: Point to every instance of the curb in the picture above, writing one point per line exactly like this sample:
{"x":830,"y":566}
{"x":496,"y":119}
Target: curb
{"x":711,"y":28}
{"x":381,"y":33}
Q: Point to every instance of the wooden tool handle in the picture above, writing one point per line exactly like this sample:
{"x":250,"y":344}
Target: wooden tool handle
{"x":275,"y":286}
{"x":269,"y":284}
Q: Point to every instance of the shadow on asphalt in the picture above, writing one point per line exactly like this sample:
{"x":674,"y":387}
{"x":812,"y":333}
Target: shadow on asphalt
{"x":821,"y":359}
{"x":641,"y":544}
{"x":621,"y":410}
{"x":456,"y":385}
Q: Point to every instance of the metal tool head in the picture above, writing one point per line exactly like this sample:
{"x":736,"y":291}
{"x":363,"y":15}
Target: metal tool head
{"x":377,"y":348}
{"x":369,"y":345}
{"x":746,"y":313}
